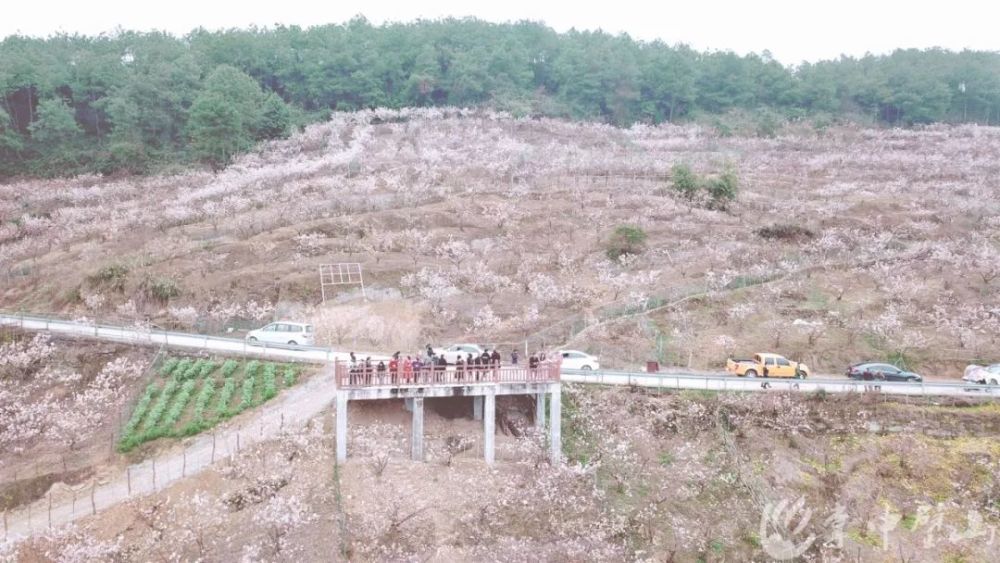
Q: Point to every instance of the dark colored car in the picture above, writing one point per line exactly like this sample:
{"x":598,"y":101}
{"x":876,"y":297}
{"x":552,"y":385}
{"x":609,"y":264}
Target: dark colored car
{"x":870,"y":371}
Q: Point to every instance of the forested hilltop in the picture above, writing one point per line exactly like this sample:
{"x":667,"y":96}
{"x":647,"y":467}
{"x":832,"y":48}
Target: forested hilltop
{"x":137,"y":101}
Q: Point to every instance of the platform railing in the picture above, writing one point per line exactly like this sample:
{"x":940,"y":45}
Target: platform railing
{"x":362,"y":375}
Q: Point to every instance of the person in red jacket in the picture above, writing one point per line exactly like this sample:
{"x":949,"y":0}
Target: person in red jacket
{"x":408,"y":370}
{"x":394,"y":369}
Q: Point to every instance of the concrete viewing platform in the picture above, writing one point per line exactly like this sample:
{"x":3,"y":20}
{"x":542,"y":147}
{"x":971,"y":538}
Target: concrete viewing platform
{"x":480,"y":383}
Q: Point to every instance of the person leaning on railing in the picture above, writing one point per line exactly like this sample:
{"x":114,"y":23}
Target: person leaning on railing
{"x":394,"y":369}
{"x":441,"y":366}
{"x":408,"y":370}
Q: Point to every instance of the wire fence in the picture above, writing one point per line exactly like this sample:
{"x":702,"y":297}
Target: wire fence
{"x":72,"y":494}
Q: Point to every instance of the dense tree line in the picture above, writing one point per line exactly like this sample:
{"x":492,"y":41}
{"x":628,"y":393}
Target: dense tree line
{"x":132,"y":101}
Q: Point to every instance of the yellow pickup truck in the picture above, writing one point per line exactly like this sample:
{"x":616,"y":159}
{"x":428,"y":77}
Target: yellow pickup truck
{"x":767,"y":365}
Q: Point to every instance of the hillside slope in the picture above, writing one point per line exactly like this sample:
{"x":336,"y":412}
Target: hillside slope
{"x":843,"y":245}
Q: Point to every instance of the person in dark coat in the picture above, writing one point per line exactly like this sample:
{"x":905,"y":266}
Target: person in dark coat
{"x":533,"y":365}
{"x":460,"y":368}
{"x":485,"y":360}
{"x":495,"y":358}
{"x":418,"y":366}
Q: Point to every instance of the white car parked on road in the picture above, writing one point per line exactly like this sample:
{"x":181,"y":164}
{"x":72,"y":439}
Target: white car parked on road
{"x":574,"y":359}
{"x":283,"y":332}
{"x":452,"y":353}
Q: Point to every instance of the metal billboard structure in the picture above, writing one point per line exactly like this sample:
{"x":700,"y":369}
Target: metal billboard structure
{"x":341,"y":274}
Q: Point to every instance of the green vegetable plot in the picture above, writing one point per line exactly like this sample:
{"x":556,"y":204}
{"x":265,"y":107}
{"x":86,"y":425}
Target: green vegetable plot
{"x":193,"y":395}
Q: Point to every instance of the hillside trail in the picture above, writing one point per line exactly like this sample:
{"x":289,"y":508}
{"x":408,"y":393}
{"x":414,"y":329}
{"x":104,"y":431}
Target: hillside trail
{"x":291,"y":410}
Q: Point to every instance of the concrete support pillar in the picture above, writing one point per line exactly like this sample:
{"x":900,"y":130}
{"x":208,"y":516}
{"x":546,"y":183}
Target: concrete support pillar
{"x":417,"y":436}
{"x":489,"y":426}
{"x":477,"y":408}
{"x":555,"y":423}
{"x":341,"y":426}
{"x":540,"y":411}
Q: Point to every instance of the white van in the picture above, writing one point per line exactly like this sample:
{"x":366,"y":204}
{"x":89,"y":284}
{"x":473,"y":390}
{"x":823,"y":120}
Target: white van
{"x":283,"y":332}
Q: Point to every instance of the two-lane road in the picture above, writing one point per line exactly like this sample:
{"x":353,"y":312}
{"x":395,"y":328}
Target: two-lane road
{"x":674,"y":379}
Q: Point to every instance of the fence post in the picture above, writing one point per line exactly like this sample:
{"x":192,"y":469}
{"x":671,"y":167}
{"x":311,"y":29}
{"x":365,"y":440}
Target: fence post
{"x":128,"y":475}
{"x":50,"y":508}
{"x":93,"y":493}
{"x":154,"y":474}
{"x":213,"y":447}
{"x":184,"y":462}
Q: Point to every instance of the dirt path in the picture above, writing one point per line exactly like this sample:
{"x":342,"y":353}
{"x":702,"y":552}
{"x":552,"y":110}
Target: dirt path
{"x":291,"y":409}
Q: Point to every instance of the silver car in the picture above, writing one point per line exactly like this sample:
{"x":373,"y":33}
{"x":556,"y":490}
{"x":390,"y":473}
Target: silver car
{"x":283,"y":332}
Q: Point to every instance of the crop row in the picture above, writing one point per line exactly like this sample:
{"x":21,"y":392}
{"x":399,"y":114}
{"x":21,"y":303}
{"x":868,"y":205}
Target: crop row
{"x":270,"y":382}
{"x":226,"y":395}
{"x":246,"y":400}
{"x":159,"y":407}
{"x":229,"y":368}
{"x":176,"y":409}
{"x":198,"y":422}
{"x":130,"y":438}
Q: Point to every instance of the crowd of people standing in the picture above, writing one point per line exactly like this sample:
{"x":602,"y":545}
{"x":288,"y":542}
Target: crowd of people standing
{"x":431,"y":367}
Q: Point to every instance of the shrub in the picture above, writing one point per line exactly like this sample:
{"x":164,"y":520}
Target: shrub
{"x":113,"y":274}
{"x":251,"y":369}
{"x":626,"y":239}
{"x":163,"y":289}
{"x":788,"y":232}
{"x":684,"y":181}
{"x":723,"y":189}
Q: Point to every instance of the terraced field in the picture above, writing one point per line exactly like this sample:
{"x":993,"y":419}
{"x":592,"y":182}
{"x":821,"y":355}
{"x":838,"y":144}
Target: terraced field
{"x":191,"y":395}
